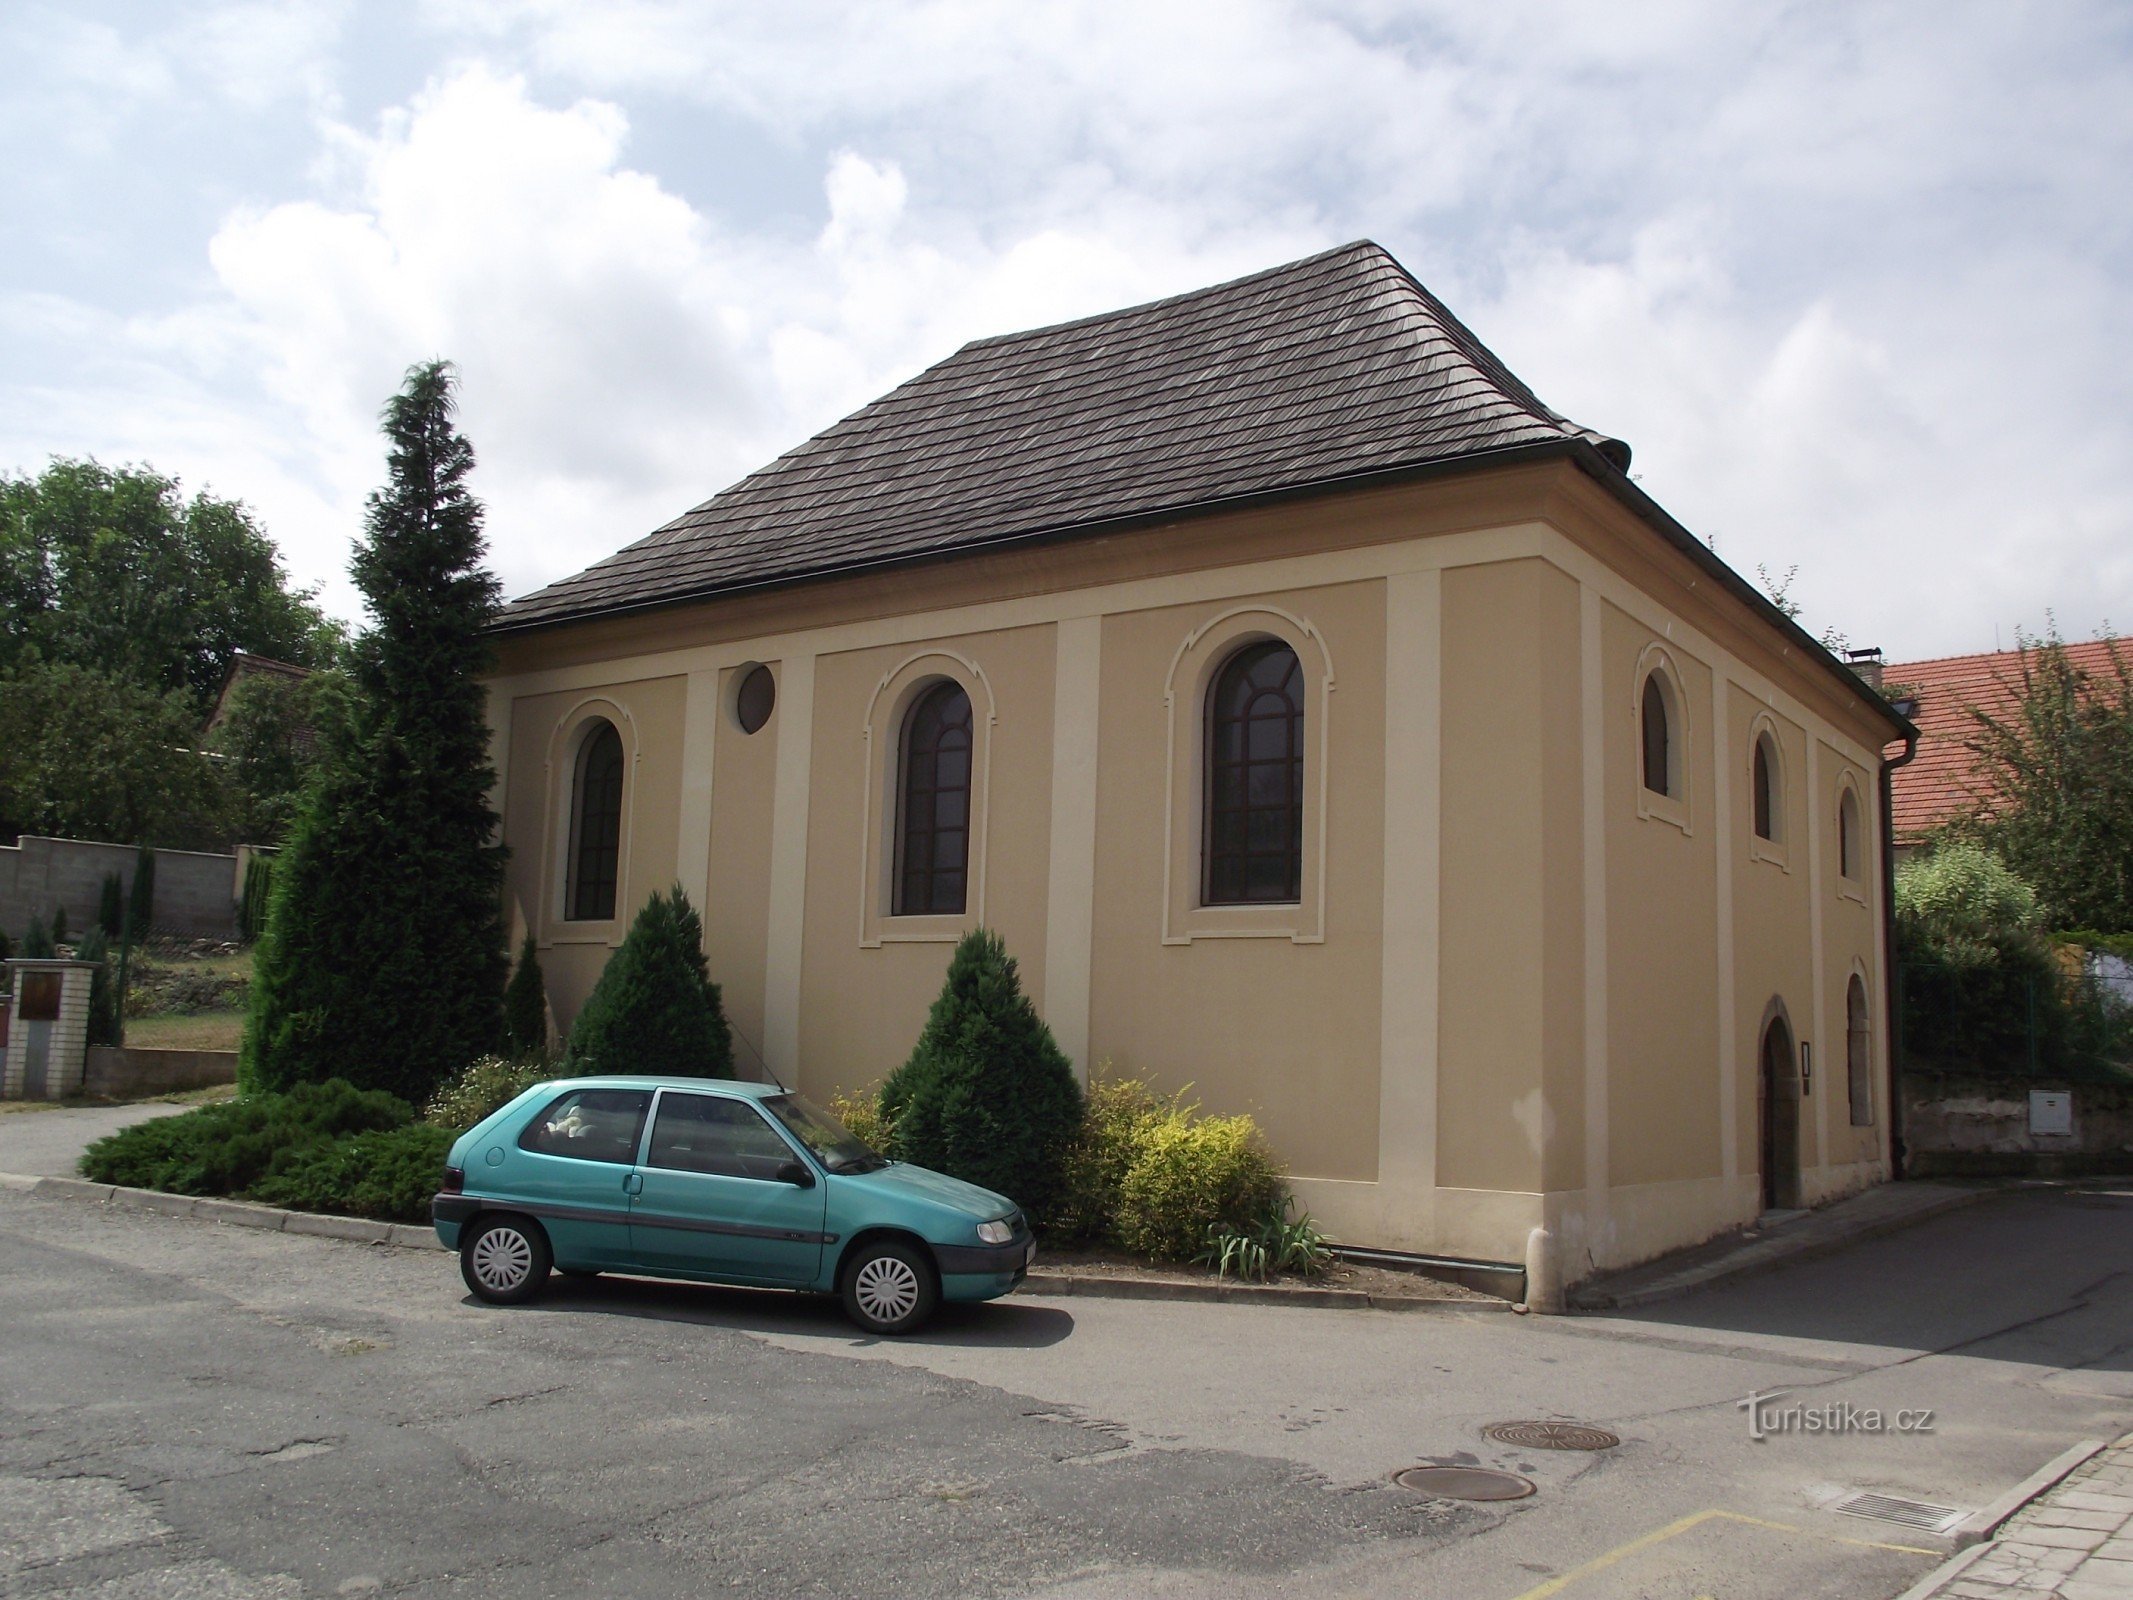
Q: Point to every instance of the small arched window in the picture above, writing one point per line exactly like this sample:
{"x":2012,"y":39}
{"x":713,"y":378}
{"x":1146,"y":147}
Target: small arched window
{"x":1769,"y":809}
{"x":1657,"y":728}
{"x":1858,"y":1053}
{"x":933,"y":821}
{"x":1849,"y":857}
{"x":596,"y":826}
{"x":1255,"y":762}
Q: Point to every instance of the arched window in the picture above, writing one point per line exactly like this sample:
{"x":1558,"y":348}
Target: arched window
{"x":1658,"y":730}
{"x":933,"y":820}
{"x":596,"y":827}
{"x":1858,"y":1054}
{"x":1848,"y":853}
{"x":1255,"y":760}
{"x":1769,"y":808}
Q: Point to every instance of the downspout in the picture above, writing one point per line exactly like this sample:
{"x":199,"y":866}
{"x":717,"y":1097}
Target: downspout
{"x":1905,"y":709}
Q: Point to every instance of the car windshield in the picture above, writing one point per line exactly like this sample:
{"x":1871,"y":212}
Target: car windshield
{"x":833,"y":1144}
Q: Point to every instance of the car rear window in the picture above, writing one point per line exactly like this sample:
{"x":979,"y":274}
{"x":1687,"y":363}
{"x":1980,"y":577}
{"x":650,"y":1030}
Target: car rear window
{"x":590,"y":1125}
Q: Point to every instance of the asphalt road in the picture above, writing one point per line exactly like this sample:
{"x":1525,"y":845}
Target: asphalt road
{"x":189,"y":1409}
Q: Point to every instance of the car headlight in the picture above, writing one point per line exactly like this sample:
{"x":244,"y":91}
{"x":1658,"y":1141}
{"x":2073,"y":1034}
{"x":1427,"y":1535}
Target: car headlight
{"x":995,"y":1232}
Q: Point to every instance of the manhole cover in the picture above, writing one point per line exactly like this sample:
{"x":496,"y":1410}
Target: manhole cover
{"x":1464,"y":1483}
{"x":1551,"y":1435}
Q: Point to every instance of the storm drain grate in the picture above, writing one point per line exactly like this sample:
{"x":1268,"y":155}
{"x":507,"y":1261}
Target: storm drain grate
{"x":1551,"y":1435}
{"x":1919,"y":1514}
{"x":1465,"y":1483}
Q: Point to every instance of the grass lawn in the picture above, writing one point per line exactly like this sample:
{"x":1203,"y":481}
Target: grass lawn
{"x":204,"y":1030}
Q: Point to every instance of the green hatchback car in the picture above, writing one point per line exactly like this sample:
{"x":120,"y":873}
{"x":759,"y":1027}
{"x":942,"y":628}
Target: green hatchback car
{"x":716,"y":1182}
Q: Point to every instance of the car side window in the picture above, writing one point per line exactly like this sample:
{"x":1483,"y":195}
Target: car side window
{"x":590,"y":1125}
{"x":709,"y":1133}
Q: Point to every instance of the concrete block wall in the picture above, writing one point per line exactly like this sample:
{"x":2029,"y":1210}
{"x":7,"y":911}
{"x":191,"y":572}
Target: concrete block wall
{"x":127,"y":1073}
{"x":1979,"y":1127}
{"x":196,"y":891}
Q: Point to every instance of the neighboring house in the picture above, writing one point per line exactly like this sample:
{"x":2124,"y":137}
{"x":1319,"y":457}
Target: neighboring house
{"x":1947,"y":776}
{"x":245,"y":668}
{"x":1325,"y":723}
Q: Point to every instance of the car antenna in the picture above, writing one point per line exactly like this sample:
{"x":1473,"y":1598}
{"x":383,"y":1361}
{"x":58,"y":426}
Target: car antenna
{"x":759,"y":1061}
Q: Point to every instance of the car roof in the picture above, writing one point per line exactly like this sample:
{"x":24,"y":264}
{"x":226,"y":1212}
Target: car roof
{"x":731,"y":1086}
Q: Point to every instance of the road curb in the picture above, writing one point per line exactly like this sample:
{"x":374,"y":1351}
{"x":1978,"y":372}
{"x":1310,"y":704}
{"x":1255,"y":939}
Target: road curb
{"x":361,"y":1230}
{"x":1982,"y":1525}
{"x":1095,"y":1288}
{"x":235,"y":1213}
{"x":1808,"y":1249}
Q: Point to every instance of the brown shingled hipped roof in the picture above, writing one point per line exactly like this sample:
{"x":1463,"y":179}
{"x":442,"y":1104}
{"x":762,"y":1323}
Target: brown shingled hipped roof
{"x":1947,"y":776}
{"x":1328,"y":369}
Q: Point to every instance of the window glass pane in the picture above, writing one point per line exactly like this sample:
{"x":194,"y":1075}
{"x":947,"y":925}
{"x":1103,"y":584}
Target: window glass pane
{"x":590,"y":1125}
{"x":706,"y":1133}
{"x":933,"y":800}
{"x":596,"y":827}
{"x":1762,"y":791}
{"x":1254,"y":826}
{"x":758,"y":694}
{"x":1656,"y":735}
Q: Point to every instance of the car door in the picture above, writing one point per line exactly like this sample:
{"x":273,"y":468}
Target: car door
{"x":574,"y":1168}
{"x":711,"y":1203}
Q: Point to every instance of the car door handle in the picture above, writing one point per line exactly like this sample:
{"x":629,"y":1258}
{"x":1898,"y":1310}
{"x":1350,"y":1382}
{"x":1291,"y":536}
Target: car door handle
{"x":633,"y":1184}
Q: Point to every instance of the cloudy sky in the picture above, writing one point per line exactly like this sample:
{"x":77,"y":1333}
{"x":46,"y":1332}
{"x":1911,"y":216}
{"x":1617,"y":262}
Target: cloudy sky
{"x":1854,"y":280}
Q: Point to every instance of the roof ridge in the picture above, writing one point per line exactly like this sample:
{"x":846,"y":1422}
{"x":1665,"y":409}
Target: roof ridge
{"x":2019,"y":650}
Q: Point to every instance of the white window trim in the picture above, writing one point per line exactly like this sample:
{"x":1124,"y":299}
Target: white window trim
{"x":565,"y":744}
{"x":1198,"y":657}
{"x":1674,"y":809}
{"x":881,"y":753}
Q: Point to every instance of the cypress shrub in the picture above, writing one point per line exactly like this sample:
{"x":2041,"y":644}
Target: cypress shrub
{"x":526,"y":1005}
{"x":383,"y":960}
{"x":111,"y":906}
{"x":37,"y":944}
{"x":142,"y":907}
{"x":258,"y":891}
{"x":227,"y":1147}
{"x":987,"y":1095}
{"x":655,"y":1008}
{"x":103,"y":990}
{"x":59,"y":926}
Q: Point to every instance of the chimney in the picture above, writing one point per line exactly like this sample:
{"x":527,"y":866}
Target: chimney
{"x":1867,"y":663}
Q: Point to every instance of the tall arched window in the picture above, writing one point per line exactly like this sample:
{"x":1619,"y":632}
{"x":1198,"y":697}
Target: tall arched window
{"x":596,"y":827}
{"x":1769,"y":818}
{"x":1255,"y":756}
{"x":1658,"y":732}
{"x":933,"y":820}
{"x":1848,"y":854}
{"x":1858,"y":1053}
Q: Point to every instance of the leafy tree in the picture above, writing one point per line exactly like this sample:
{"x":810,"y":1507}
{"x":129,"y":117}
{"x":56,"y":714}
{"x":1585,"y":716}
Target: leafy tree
{"x":2056,"y":800}
{"x":383,"y":960}
{"x":526,"y":1005}
{"x":987,"y":1095}
{"x":271,"y":746}
{"x":118,"y":572}
{"x":655,"y":1008}
{"x":87,"y":754}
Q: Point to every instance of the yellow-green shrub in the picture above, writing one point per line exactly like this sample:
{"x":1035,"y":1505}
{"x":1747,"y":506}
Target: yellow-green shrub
{"x":863,"y":1119}
{"x":487,"y":1084}
{"x":1188,"y":1176}
{"x":1118,"y":1115}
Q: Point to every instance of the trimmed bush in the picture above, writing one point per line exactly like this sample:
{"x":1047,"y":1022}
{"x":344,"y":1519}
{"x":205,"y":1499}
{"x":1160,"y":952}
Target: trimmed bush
{"x":488,"y":1085}
{"x":225,"y":1148}
{"x":526,"y":1005}
{"x":390,"y":1176}
{"x":655,"y":1008}
{"x":987,"y":1095}
{"x":1190,"y":1177}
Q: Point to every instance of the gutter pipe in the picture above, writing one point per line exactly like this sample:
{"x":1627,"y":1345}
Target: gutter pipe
{"x":1892,"y":999}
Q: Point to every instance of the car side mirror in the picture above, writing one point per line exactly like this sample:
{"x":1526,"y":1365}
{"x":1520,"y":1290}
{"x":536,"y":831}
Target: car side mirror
{"x":794,"y":1173}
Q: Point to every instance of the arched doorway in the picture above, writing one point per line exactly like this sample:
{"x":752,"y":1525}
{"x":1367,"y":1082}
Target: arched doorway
{"x":1779,"y":1102}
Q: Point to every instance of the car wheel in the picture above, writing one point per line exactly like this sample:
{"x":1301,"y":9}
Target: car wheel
{"x":890,"y":1287}
{"x":505,"y":1261}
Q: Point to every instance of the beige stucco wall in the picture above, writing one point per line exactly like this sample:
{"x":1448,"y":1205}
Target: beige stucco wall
{"x":1513,"y":995}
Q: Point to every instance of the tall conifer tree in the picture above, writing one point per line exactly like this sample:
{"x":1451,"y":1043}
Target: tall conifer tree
{"x":383,"y":959}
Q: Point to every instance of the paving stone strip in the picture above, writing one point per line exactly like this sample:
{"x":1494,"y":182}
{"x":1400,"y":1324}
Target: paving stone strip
{"x":2072,"y":1541}
{"x":244,"y":1214}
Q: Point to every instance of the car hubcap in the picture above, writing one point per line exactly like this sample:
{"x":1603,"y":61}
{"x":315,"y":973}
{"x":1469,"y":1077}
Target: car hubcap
{"x":502,"y":1259}
{"x":887,"y":1289}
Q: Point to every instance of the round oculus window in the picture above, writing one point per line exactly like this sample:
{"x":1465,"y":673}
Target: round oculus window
{"x":757,"y":696}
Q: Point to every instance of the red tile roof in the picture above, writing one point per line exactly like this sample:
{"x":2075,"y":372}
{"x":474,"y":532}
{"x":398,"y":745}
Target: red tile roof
{"x":1945,"y":778}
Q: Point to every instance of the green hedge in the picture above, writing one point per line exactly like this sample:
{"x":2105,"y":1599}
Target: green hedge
{"x":319,"y":1147}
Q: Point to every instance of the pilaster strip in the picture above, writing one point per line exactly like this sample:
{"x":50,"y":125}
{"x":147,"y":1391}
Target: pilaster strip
{"x":1070,"y":896}
{"x":788,"y":869}
{"x":1408,"y":982}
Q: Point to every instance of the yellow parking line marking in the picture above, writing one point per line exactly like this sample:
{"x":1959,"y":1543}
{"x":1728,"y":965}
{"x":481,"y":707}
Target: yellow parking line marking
{"x":1601,"y":1563}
